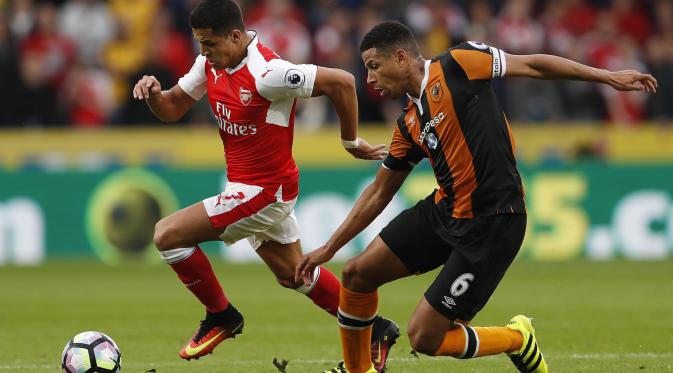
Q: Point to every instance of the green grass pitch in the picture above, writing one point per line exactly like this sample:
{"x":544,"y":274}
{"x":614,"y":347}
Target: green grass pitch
{"x":590,"y":317}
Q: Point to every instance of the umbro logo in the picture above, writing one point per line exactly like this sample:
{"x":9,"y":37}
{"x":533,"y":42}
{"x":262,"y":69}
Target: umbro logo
{"x":448,"y":302}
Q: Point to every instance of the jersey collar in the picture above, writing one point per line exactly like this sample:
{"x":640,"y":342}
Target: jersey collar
{"x":252,"y":44}
{"x":424,"y":82}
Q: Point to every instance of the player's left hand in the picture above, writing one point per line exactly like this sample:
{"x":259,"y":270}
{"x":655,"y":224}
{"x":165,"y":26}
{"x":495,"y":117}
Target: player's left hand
{"x":632,"y":80}
{"x":305,"y":268}
{"x":366,"y":151}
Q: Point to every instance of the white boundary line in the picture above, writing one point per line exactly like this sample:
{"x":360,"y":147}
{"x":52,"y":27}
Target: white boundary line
{"x":597,"y":356}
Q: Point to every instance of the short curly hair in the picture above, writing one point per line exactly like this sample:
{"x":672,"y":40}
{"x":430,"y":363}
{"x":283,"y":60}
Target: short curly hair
{"x":389,"y":36}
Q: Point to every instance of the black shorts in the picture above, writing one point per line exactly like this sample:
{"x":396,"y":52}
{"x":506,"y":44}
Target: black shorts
{"x":475,"y":252}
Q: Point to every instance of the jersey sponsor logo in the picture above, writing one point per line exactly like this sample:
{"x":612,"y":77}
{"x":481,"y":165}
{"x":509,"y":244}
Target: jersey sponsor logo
{"x":235,"y":128}
{"x":430,"y":124}
{"x":221,"y":110}
{"x":294,"y":78}
{"x":245,"y":95}
{"x":432,"y":141}
{"x":223,"y":115}
{"x":266,"y":72}
{"x":436,"y":92}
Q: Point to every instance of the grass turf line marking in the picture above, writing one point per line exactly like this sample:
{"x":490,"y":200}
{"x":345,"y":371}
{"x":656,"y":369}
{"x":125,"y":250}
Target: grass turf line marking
{"x":601,"y":356}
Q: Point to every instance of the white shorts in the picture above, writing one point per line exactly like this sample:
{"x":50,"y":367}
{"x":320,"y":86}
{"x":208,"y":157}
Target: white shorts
{"x":253,"y":212}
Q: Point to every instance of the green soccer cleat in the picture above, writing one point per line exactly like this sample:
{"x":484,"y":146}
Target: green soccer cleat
{"x":529,"y":358}
{"x":341,"y":368}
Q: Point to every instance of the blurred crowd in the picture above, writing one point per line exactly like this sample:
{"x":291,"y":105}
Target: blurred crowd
{"x":73,"y":62}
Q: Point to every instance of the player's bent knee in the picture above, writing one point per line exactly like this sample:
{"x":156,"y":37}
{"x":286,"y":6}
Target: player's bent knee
{"x":164,"y":236}
{"x":351,"y":275}
{"x":423,"y":340}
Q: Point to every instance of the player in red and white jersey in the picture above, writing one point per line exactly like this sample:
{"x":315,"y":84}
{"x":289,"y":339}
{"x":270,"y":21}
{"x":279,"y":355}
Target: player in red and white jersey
{"x":252,"y":93}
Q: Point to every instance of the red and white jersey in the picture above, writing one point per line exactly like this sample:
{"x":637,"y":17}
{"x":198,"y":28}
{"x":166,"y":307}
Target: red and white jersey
{"x":254,"y":105}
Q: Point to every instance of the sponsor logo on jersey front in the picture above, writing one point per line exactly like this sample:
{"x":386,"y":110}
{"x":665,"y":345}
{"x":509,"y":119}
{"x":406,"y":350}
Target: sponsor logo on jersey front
{"x":294,"y":78}
{"x":432,"y":141}
{"x":245,"y":95}
{"x":223,"y":118}
{"x":430,"y":124}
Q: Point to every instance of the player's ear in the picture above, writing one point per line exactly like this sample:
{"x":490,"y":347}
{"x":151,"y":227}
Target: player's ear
{"x":401,"y":56}
{"x":235,"y":35}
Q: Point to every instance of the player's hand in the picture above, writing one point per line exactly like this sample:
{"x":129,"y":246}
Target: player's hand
{"x":366,"y":151}
{"x":305,"y":268}
{"x":632,"y":80}
{"x":146,"y":87}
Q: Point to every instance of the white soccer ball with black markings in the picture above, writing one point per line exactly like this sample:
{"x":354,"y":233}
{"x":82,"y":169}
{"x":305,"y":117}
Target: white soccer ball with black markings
{"x":91,"y":352}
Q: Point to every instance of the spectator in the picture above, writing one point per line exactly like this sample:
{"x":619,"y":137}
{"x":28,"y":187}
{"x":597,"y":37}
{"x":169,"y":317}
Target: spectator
{"x":22,"y":18}
{"x":282,"y":31}
{"x":481,"y":26}
{"x":115,"y":34}
{"x":660,"y":54}
{"x":86,"y":96}
{"x":9,"y":75}
{"x":45,"y":56}
{"x":631,"y":20}
{"x":135,"y":111}
{"x":89,"y":24}
{"x":438,"y":24}
{"x":518,"y":33}
{"x":606,"y":47}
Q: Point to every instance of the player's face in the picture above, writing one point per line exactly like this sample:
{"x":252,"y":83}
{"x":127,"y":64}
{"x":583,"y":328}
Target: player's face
{"x":220,"y":50}
{"x":385,"y":73}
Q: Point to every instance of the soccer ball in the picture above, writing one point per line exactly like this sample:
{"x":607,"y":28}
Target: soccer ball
{"x":91,"y":352}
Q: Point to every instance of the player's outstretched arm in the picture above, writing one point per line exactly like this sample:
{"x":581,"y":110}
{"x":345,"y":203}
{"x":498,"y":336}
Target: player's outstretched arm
{"x":339,"y":86}
{"x":168,"y":106}
{"x":370,"y":204}
{"x":544,"y":66}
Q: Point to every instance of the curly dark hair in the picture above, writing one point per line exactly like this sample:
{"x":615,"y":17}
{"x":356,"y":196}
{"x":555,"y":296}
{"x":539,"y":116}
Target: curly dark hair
{"x":389,"y":36}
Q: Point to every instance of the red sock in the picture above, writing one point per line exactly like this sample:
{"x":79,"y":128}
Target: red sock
{"x":324,"y":291}
{"x":194,"y":270}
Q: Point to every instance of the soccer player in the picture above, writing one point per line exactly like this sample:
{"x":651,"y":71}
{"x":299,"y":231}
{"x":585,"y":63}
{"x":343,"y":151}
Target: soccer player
{"x":252,"y":93}
{"x":473,"y":224}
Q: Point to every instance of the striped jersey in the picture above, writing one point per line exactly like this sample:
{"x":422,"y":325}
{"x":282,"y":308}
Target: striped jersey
{"x":458,"y":124}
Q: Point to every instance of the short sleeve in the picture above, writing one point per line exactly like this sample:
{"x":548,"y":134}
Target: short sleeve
{"x":283,"y":79}
{"x":479,"y":61}
{"x":403,"y":154}
{"x":194,"y":83}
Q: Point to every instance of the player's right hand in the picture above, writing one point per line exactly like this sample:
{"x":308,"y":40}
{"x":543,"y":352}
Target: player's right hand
{"x":304,"y":271}
{"x":146,"y":87}
{"x":366,"y":151}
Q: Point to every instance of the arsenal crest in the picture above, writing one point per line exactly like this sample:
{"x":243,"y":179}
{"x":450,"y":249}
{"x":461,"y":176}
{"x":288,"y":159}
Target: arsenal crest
{"x":245,"y":95}
{"x":436,"y":92}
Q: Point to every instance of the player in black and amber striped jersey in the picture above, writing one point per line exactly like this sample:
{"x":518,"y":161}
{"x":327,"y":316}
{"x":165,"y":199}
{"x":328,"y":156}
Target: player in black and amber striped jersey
{"x":473,"y":225}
